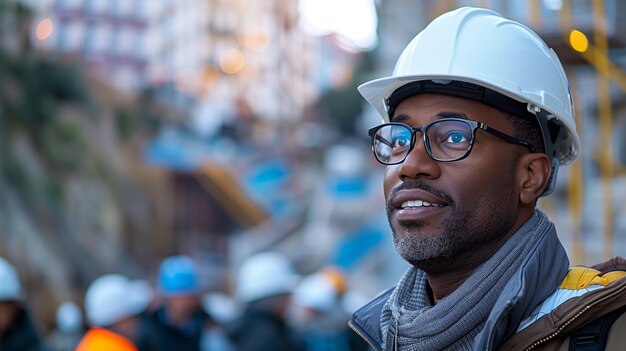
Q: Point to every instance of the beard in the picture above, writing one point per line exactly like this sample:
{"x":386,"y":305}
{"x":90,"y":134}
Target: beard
{"x":462,"y":232}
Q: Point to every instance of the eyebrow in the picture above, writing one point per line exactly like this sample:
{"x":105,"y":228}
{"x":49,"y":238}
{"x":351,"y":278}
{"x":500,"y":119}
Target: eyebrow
{"x":443,"y":114}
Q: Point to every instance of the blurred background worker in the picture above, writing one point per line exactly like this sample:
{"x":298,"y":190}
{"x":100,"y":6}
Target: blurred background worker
{"x":69,"y":328}
{"x":264,"y":284}
{"x":180,"y":322}
{"x":319,"y":315}
{"x":17,"y":331}
{"x":112,"y":305}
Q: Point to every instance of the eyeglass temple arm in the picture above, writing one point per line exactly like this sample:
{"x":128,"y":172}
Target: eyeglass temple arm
{"x":383,"y":140}
{"x":505,"y":137}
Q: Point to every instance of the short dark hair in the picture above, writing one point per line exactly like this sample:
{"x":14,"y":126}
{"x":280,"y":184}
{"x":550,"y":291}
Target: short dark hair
{"x":527,"y":129}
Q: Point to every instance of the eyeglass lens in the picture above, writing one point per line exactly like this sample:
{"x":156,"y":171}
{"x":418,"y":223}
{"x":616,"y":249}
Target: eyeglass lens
{"x":447,"y":140}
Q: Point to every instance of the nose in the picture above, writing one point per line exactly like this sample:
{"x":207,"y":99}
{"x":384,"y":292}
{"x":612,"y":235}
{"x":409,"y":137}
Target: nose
{"x":418,"y":163}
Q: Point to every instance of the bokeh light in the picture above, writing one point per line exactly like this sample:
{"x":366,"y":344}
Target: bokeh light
{"x":578,"y":40}
{"x":210,"y":77}
{"x":44,"y":28}
{"x":232,"y":61}
{"x":254,"y":38}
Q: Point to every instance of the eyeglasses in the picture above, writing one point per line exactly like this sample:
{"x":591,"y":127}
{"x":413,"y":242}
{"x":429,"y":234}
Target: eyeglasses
{"x":445,"y":140}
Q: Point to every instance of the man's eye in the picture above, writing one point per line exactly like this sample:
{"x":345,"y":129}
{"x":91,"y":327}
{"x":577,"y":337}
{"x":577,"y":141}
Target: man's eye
{"x":456,"y":138}
{"x":400,"y":141}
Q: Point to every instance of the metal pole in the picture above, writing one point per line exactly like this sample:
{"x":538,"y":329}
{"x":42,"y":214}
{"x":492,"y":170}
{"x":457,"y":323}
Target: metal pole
{"x":576,"y":188}
{"x":604,"y":66}
{"x":605,"y":122}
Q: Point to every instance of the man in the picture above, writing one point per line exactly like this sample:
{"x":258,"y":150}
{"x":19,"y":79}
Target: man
{"x":264,"y":283}
{"x":319,"y":314}
{"x":69,"y":328}
{"x":179,"y":323}
{"x":112,"y":305}
{"x":17,"y":330}
{"x":478,"y":117}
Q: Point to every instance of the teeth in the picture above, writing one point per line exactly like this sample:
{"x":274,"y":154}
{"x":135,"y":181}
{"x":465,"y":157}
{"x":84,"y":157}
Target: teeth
{"x":419,"y":203}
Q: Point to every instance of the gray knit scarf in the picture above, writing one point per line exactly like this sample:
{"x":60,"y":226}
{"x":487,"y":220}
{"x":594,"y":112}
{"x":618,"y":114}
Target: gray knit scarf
{"x":409,"y":321}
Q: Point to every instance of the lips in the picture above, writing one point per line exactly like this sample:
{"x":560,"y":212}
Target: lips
{"x":419,"y":203}
{"x":407,"y":198}
{"x":416,"y":204}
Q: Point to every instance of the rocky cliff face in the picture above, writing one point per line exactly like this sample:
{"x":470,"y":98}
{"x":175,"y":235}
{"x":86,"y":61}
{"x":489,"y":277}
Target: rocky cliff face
{"x":76,"y":200}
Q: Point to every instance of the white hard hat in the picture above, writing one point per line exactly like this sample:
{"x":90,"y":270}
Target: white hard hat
{"x":112,"y":298}
{"x":316,"y":292}
{"x":479,"y":47}
{"x":322,"y":290}
{"x":69,"y":318}
{"x":221,"y":307}
{"x":10,"y":288}
{"x":142,"y":294}
{"x":263,"y":275}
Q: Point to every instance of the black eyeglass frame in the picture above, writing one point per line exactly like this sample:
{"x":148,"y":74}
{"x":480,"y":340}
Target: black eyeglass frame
{"x":423,"y":129}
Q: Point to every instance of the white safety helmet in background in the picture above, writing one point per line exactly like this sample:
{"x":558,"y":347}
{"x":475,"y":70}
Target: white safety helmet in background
{"x":69,"y":318}
{"x":221,"y":307}
{"x":264,"y":275}
{"x":113,"y":298}
{"x":10,"y":288}
{"x":321,"y":291}
{"x":470,"y":48}
{"x":142,"y":294}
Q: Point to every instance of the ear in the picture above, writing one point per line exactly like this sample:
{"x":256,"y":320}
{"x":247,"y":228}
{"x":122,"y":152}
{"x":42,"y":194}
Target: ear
{"x":533,"y":174}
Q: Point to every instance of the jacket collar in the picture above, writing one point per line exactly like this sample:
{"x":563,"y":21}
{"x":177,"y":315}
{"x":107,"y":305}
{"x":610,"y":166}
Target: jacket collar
{"x":366,"y":320}
{"x":540,"y":275}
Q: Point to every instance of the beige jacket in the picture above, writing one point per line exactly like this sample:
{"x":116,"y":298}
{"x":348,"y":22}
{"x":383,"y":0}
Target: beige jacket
{"x":602,"y":290}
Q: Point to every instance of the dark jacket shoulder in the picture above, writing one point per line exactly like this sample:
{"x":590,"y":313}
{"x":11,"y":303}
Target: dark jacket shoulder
{"x":156,"y":334}
{"x":366,"y":320}
{"x":259,"y":330}
{"x":23,"y":336}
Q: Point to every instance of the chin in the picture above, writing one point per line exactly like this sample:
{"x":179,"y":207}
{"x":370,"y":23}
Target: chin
{"x":415,"y":246}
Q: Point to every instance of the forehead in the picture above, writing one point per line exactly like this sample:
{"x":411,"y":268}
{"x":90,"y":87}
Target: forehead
{"x":423,"y":108}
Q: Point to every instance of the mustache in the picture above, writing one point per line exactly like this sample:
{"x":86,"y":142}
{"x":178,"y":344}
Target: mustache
{"x":417,"y":184}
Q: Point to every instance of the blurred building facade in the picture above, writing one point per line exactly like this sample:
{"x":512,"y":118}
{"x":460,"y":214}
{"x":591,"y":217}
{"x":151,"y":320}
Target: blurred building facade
{"x":252,"y":173}
{"x":191,"y":51}
{"x":111,"y":37}
{"x":228,"y":65}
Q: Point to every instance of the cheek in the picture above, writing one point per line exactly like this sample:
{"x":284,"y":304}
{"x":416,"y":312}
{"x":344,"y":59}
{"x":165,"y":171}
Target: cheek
{"x":483,"y":185}
{"x":390,"y":179}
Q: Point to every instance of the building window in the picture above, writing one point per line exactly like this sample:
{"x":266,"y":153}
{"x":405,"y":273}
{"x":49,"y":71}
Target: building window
{"x":90,"y":6}
{"x":114,"y":7}
{"x":96,"y":6}
{"x":90,"y":34}
{"x":116,"y":49}
{"x":62,"y":38}
{"x":70,"y":36}
{"x":62,"y":4}
{"x":131,"y":8}
{"x":102,"y":39}
{"x":141,"y":9}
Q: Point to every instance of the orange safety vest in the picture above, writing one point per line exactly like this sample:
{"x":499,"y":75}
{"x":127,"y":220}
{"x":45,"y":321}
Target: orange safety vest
{"x":98,"y":339}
